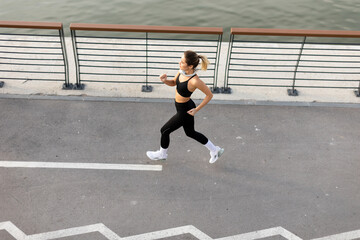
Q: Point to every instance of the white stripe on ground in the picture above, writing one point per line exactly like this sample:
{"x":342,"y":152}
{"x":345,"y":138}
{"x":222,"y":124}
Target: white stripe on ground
{"x":97,"y":166}
{"x":342,"y":236}
{"x":170,"y":233}
{"x":110,"y":235}
{"x":271,"y":232}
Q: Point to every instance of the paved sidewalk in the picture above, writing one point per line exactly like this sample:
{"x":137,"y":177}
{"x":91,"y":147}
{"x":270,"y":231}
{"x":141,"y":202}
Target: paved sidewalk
{"x":293,"y":167}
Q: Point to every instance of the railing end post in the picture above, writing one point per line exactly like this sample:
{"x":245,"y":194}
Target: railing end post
{"x":1,"y":84}
{"x":146,"y":88}
{"x":226,"y":90}
{"x":357,"y":93}
{"x":293,"y":92}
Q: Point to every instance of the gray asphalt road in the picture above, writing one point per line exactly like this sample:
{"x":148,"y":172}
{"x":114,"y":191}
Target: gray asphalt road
{"x":294,"y":167}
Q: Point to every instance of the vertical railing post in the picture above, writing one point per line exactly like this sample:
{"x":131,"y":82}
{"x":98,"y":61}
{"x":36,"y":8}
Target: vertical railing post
{"x":226,"y":88}
{"x":67,"y":84}
{"x":78,"y":85}
{"x":215,"y":88}
{"x":146,"y":87}
{"x":293,"y":91}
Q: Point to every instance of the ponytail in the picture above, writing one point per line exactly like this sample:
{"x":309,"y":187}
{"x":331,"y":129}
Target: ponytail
{"x":204,"y":62}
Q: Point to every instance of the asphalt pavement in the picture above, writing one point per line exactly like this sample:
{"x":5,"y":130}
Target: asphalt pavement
{"x":293,"y":167}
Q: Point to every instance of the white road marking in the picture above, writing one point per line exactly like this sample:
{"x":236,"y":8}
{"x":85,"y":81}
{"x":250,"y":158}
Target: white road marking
{"x":67,"y":165}
{"x":271,"y":232}
{"x":170,"y":233}
{"x":342,"y":236}
{"x":110,"y":235}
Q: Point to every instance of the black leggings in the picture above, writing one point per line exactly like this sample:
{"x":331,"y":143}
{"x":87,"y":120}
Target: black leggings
{"x":181,"y":118}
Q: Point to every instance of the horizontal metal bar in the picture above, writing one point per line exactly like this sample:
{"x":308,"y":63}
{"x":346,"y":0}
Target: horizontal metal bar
{"x":326,"y":80}
{"x":287,"y":86}
{"x":266,"y":71}
{"x":328,"y":43}
{"x":112,"y":81}
{"x":136,"y":50}
{"x":304,"y":60}
{"x":33,"y":79}
{"x":130,"y":82}
{"x":254,"y":70}
{"x":28,"y":35}
{"x":239,"y":41}
{"x":94,"y":55}
{"x":114,"y":67}
{"x":31,"y":72}
{"x":265,"y":48}
{"x":320,"y":55}
{"x":258,"y":85}
{"x":28,"y":41}
{"x":259,"y":59}
{"x":43,"y":59}
{"x":329,"y":72}
{"x":30,"y":47}
{"x":30,"y":64}
{"x":280,"y":54}
{"x":135,"y":75}
{"x":262,"y":78}
{"x":32,"y":53}
{"x":144,"y":44}
{"x":301,"y":66}
{"x":305,"y":48}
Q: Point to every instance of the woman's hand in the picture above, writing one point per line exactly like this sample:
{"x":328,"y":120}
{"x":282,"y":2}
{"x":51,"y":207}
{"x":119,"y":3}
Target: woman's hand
{"x":163,"y":77}
{"x":192,"y":112}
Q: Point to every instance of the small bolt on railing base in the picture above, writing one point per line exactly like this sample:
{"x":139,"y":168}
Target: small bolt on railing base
{"x":146,"y":88}
{"x":293,"y":92}
{"x":1,"y":84}
{"x":226,"y":90}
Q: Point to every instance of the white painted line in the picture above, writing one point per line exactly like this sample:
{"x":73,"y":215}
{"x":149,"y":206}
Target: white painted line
{"x":67,"y":232}
{"x":12,"y":230}
{"x":67,"y":165}
{"x":271,"y":232}
{"x":342,"y":236}
{"x":170,"y":233}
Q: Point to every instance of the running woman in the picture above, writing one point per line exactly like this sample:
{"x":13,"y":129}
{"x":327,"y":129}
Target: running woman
{"x":186,"y":82}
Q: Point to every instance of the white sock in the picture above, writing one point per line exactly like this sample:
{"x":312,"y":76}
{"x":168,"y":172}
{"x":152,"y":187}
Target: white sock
{"x":210,"y":146}
{"x":163,"y":151}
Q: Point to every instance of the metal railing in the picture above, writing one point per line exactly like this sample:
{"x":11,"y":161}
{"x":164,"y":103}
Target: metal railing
{"x":292,"y":63}
{"x":32,"y":57}
{"x":141,"y":59}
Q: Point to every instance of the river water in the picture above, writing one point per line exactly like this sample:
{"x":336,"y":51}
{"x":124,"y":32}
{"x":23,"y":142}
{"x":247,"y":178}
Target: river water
{"x":290,"y":14}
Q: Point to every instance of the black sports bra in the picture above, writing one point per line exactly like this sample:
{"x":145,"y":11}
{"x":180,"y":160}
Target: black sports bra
{"x":182,"y":87}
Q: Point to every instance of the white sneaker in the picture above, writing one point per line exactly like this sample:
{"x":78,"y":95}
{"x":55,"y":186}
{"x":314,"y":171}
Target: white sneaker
{"x":156,"y":155}
{"x":215,"y":155}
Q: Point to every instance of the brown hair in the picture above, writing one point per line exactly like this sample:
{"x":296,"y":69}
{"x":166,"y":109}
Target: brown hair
{"x":193,"y":59}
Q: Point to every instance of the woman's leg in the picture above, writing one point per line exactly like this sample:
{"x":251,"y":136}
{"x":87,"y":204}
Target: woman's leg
{"x":173,"y":124}
{"x":189,"y":128}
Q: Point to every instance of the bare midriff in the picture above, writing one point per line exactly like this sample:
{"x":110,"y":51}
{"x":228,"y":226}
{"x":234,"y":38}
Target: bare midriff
{"x":181,"y":99}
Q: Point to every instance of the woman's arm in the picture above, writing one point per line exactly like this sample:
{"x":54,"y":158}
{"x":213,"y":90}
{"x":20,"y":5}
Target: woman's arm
{"x":205,"y":89}
{"x":170,"y":83}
